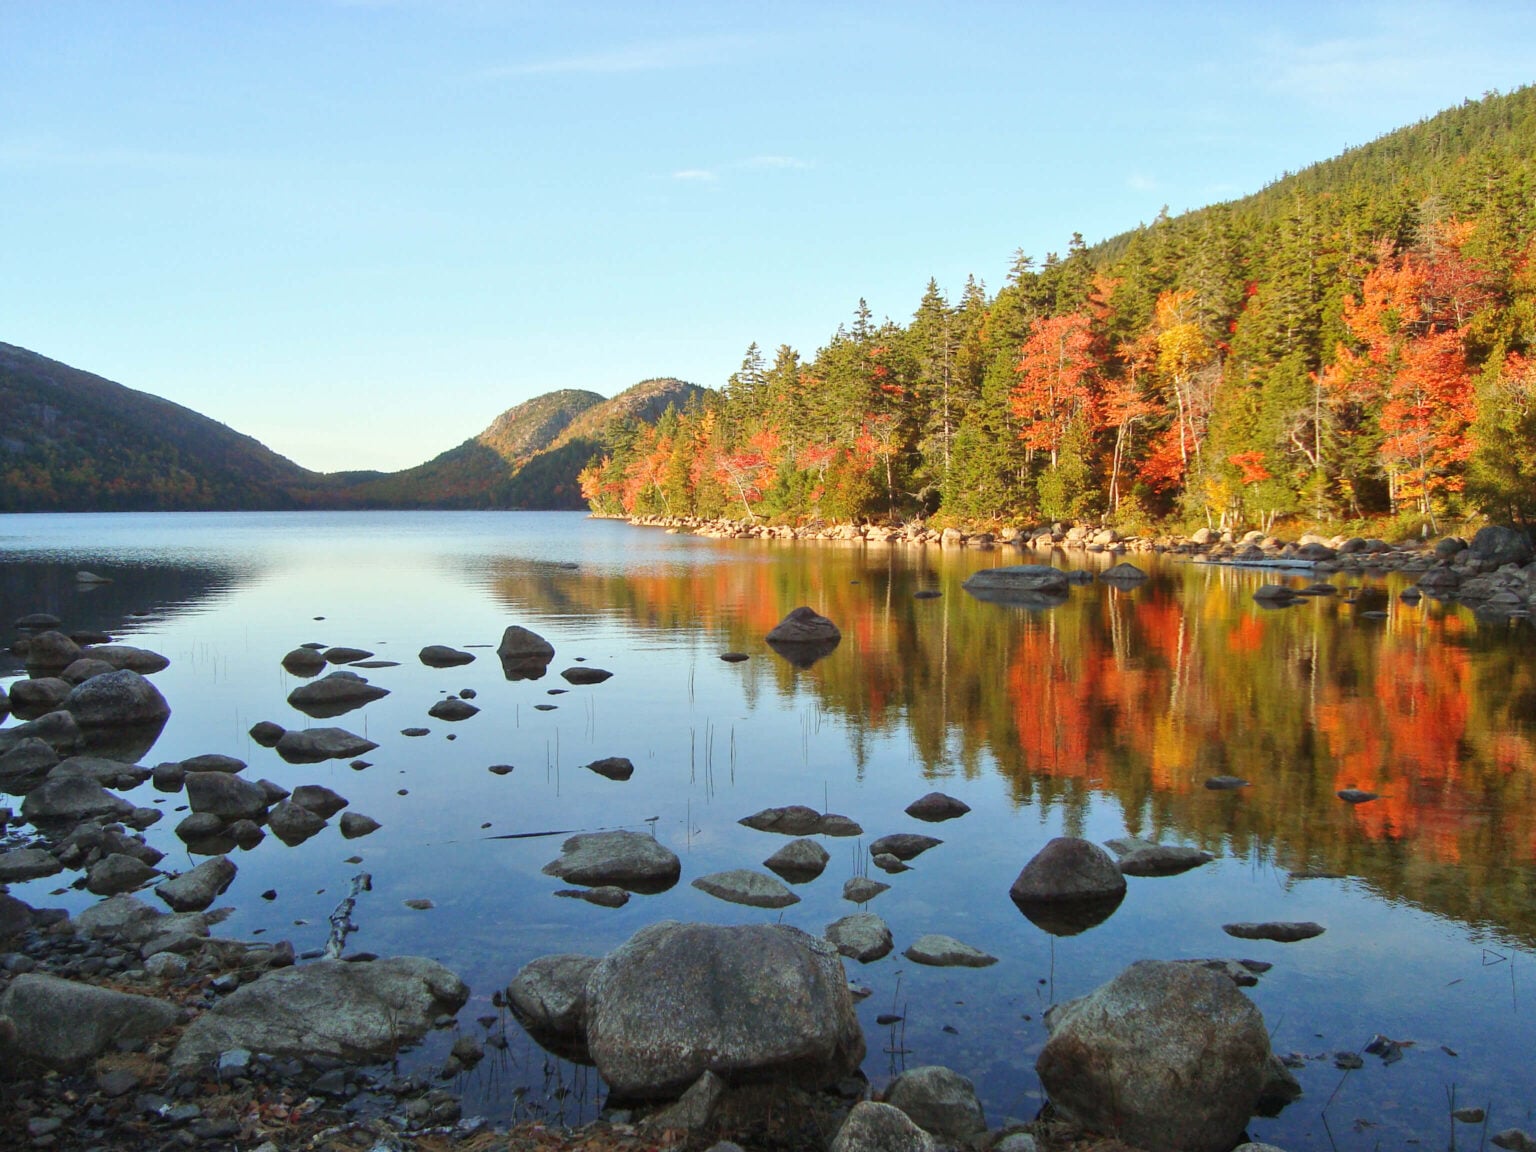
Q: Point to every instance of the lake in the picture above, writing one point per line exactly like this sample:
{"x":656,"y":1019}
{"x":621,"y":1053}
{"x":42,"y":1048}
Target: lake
{"x":1102,"y":717}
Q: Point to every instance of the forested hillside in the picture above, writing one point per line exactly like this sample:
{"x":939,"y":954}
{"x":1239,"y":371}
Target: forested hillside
{"x":1354,"y":340}
{"x":71,"y":441}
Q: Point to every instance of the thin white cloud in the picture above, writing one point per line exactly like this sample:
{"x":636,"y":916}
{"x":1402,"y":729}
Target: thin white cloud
{"x":702,"y":175}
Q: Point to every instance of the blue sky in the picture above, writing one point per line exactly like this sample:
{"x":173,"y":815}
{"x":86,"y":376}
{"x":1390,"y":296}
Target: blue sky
{"x":359,"y":230}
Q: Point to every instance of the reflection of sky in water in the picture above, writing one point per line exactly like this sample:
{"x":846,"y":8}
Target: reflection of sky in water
{"x":712,"y":742}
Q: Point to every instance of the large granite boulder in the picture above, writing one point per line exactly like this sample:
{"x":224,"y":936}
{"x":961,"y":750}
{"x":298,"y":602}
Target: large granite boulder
{"x":63,"y":1024}
{"x":1169,"y":1057}
{"x":49,"y":652}
{"x":630,"y":860}
{"x":1496,"y":546}
{"x":749,"y":1003}
{"x":330,"y":1008}
{"x":117,"y":699}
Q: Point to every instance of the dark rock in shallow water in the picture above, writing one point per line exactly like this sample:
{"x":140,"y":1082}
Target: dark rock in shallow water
{"x":335,"y":694}
{"x":1356,"y":796}
{"x":266,"y":733}
{"x":798,"y":861}
{"x":936,"y":806}
{"x":117,"y":699}
{"x":604,"y":896}
{"x":224,"y":795}
{"x":39,"y":695}
{"x":799,"y":820}
{"x":744,"y":886}
{"x":1162,"y":860}
{"x":524,"y":655}
{"x":355,"y":824}
{"x":861,"y":889}
{"x":121,"y":656}
{"x":940,"y":951}
{"x":195,"y":890}
{"x":49,"y":652}
{"x":613,"y":767}
{"x":1225,"y":783}
{"x":1069,"y":886}
{"x":442,"y":656}
{"x":293,"y":824}
{"x":70,"y":800}
{"x":734,"y":657}
{"x":803,"y":637}
{"x":319,"y":799}
{"x":316,"y":744}
{"x":343,"y":655}
{"x":1028,"y":585}
{"x":585,"y":675}
{"x":303,"y":662}
{"x":1284,"y":932}
{"x":452,"y":710}
{"x":624,"y":859}
{"x":903,"y":845}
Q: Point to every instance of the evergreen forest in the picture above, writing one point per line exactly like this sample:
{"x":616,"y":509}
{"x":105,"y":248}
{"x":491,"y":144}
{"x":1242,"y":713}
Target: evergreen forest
{"x":1355,"y":341}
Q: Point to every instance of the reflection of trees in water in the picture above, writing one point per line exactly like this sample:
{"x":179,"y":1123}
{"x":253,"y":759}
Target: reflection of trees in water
{"x":1143,"y":695}
{"x":28,"y":586}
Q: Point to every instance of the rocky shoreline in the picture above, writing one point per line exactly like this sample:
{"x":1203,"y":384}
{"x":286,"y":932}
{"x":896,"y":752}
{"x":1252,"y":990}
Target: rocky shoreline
{"x":1493,"y":571}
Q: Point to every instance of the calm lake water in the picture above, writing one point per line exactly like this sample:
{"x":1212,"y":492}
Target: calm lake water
{"x":1102,"y":717}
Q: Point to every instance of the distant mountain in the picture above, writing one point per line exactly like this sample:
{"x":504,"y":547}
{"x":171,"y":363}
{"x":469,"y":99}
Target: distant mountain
{"x":530,"y":455}
{"x":72,"y":441}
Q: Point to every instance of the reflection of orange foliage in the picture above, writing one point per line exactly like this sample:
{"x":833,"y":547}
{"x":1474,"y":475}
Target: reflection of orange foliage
{"x":1248,"y":635}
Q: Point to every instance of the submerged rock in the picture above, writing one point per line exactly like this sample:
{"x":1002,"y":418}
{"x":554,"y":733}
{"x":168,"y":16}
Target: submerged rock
{"x":941,"y":951}
{"x":744,"y":886}
{"x":862,"y":936}
{"x":1162,"y":860}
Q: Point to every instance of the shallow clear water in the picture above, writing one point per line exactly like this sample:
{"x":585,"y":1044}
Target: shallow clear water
{"x":1101,"y":717}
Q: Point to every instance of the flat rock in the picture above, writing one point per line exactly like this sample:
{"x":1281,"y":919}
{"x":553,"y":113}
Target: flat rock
{"x":304,"y":662}
{"x":118,"y":872}
{"x":1356,"y":795}
{"x":1122,"y":573}
{"x":861,"y":889}
{"x":862,"y":936}
{"x":1162,"y":860}
{"x":941,"y":951}
{"x":744,"y":886}
{"x":1225,"y":783}
{"x":889,"y":864}
{"x":936,"y":806}
{"x":442,"y":656}
{"x":126,"y":656}
{"x":22,"y":864}
{"x":341,"y":654}
{"x":604,"y":895}
{"x":1027,"y":584}
{"x":798,"y":861}
{"x":903,"y":845}
{"x":329,"y":1008}
{"x":630,"y":860}
{"x":585,"y":674}
{"x":316,"y":744}
{"x":71,"y":798}
{"x":64,"y":1024}
{"x":1285,"y":932}
{"x":799,"y":820}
